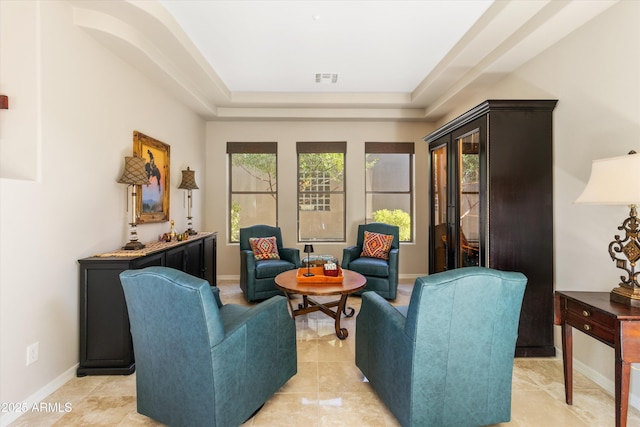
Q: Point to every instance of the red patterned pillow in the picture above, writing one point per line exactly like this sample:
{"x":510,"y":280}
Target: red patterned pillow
{"x":376,"y":245}
{"x":264,"y":247}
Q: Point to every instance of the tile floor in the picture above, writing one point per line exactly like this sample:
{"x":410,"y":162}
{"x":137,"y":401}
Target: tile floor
{"x":329,"y":389}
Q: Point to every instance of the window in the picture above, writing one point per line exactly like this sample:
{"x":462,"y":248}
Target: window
{"x":321,"y":191}
{"x":253,"y":185}
{"x":389,"y":185}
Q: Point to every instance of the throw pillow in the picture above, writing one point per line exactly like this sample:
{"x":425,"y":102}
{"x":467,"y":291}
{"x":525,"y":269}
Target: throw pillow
{"x":264,"y":247}
{"x":376,"y":245}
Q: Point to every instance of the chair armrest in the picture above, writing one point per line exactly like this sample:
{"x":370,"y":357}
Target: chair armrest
{"x":247,"y":267}
{"x":248,"y":258}
{"x":384,"y":352}
{"x":376,"y":309}
{"x":216,"y":294}
{"x":349,"y":254}
{"x":290,"y":254}
{"x":394,"y":260}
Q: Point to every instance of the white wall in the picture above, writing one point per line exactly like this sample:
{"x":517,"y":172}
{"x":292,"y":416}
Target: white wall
{"x":88,"y":103}
{"x":595,"y":75}
{"x":413,"y":256}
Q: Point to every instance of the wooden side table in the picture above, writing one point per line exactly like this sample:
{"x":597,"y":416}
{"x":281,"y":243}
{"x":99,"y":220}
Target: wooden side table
{"x":614,"y":324}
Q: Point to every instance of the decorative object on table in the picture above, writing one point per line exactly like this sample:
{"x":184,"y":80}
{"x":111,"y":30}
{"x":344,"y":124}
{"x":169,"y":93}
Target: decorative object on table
{"x":318,"y":276}
{"x":134,"y":174}
{"x":319,"y":260}
{"x":616,"y":181}
{"x":189,"y":183}
{"x":172,"y":231}
{"x":308,"y":249}
{"x":331,"y":269}
{"x":154,"y":196}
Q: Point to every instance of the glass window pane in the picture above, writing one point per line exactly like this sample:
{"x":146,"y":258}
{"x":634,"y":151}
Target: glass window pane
{"x":327,"y":225}
{"x":469,"y":167}
{"x":439,"y":180}
{"x":388,"y":186}
{"x":439,"y":207}
{"x":321,"y":195}
{"x":253,"y":186}
{"x":388,"y":172}
{"x":251,"y":209}
{"x":253,"y":172}
{"x":391,"y":209}
{"x":325,"y":169}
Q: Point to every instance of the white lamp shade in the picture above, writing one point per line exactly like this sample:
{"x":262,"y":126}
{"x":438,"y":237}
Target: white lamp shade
{"x":613,"y":181}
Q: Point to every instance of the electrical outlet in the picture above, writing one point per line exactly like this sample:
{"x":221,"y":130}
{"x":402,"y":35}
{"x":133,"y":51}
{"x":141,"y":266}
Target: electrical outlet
{"x":33,"y":351}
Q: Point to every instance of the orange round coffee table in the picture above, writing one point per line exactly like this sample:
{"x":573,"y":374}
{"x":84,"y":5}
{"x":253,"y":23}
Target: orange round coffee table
{"x":352,"y":282}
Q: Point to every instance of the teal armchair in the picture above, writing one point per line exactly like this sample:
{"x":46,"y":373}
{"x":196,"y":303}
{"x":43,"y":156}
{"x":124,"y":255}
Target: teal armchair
{"x":382,"y":275}
{"x":257,"y":277}
{"x":446,"y":359}
{"x":200,"y":362}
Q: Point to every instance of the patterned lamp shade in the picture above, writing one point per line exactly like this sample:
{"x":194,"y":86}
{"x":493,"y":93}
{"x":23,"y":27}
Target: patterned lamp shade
{"x":134,"y":172}
{"x":188,"y":180}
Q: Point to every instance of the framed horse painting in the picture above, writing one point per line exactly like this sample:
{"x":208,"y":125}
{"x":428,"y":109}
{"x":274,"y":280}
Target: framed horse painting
{"x":153,"y":198}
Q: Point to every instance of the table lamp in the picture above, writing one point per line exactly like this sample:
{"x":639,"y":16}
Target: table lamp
{"x":134,"y":174}
{"x":308,"y":249}
{"x":189,"y":183}
{"x":616,"y":181}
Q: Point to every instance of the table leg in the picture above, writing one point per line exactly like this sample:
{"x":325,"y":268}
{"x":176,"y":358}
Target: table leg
{"x":623,"y":372}
{"x":304,"y":304}
{"x":288,"y":297}
{"x":342,"y":333}
{"x":309,"y":305}
{"x":567,"y":361}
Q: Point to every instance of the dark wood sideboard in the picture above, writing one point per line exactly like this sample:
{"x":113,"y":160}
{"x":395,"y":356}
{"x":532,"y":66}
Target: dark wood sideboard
{"x":106,"y":347}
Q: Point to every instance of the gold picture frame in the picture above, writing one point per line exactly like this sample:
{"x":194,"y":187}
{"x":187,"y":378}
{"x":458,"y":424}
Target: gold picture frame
{"x":153,"y":198}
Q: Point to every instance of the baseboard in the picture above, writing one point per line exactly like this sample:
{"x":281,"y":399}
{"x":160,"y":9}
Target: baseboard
{"x":601,"y":380}
{"x":33,"y":400}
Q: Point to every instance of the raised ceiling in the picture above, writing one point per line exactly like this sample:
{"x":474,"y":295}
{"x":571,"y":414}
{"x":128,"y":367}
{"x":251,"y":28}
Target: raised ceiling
{"x":394,"y":60}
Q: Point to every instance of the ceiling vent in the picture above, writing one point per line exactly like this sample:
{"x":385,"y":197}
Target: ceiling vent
{"x":326,"y":77}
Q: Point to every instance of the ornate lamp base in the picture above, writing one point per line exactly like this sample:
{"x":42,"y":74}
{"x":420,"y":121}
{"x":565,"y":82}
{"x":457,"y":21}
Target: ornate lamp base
{"x":630,"y":297}
{"x":133,"y":246}
{"x":628,"y":292}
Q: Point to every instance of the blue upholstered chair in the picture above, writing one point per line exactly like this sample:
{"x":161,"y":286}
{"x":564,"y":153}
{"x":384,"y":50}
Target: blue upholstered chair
{"x":446,"y":359}
{"x":382,"y":275}
{"x":199,"y":362}
{"x":257,"y":276}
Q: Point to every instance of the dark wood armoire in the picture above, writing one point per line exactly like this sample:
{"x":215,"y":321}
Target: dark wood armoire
{"x":491,"y":202}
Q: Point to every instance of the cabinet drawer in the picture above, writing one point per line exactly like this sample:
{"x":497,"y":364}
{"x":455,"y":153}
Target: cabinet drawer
{"x":588,"y":313}
{"x":590,"y":327}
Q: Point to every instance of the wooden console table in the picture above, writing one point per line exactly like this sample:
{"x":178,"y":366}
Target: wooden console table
{"x":106,"y":347}
{"x":616,"y":325}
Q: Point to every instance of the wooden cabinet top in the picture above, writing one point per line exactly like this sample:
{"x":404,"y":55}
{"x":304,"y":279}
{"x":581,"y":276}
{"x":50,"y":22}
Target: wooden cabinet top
{"x":150,"y":248}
